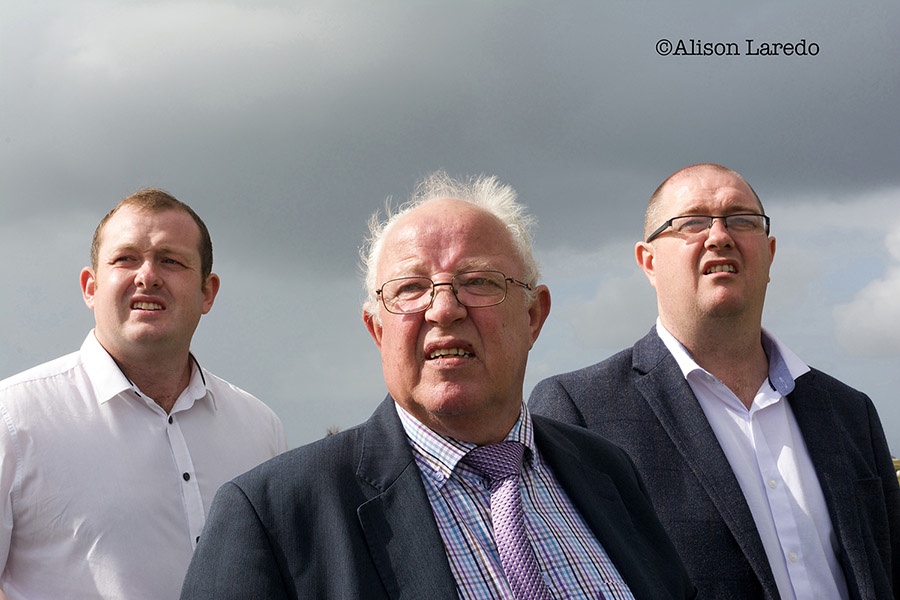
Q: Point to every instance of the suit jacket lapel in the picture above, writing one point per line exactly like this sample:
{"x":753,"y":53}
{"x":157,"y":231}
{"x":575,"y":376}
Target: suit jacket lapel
{"x":397,"y":521}
{"x":661,"y":382}
{"x":599,"y":503}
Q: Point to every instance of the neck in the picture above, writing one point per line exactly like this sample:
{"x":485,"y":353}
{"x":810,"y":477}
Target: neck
{"x":161,"y":380}
{"x":732,"y":353}
{"x":481,"y":430}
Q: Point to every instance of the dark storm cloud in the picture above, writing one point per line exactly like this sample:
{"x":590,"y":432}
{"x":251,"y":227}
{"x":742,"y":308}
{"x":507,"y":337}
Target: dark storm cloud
{"x":287,"y":124}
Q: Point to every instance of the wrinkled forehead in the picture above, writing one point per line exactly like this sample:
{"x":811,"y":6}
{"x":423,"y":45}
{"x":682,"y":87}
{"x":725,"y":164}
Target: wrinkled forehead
{"x":446,"y":235}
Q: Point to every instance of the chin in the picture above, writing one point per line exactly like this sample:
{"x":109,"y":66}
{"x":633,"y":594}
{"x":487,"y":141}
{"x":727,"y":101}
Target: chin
{"x":452,"y":404}
{"x":146,"y":335}
{"x":725,"y":311}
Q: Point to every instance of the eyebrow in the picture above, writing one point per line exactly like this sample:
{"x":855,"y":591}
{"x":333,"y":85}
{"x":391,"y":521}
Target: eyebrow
{"x":186,"y":252}
{"x":473,"y":265}
{"x":731,"y":210}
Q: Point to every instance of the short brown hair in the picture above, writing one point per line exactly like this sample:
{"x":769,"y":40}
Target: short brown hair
{"x":156,"y":200}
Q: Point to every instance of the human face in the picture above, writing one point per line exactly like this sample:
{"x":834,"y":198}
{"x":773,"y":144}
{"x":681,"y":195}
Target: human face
{"x":147,"y":292}
{"x":458,"y":370}
{"x":715,"y":274}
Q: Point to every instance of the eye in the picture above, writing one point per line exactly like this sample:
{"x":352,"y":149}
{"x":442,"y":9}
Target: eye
{"x":743,"y":222}
{"x":691,"y":224}
{"x":174,"y":261}
{"x":478,"y":282}
{"x":481,"y":283}
{"x":412,"y":288}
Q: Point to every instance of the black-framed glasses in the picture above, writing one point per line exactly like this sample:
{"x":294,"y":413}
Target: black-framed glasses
{"x":472,"y":289}
{"x":694,"y":224}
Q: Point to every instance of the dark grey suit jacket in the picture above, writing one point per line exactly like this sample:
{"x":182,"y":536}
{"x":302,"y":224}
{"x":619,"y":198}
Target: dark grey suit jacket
{"x":348,"y":517}
{"x":640,"y":400}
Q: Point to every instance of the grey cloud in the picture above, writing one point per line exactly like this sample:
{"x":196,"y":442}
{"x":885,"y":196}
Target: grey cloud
{"x":287,"y":124}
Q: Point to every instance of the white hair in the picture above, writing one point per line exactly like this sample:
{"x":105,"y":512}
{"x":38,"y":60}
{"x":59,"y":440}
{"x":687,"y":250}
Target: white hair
{"x":484,"y":192}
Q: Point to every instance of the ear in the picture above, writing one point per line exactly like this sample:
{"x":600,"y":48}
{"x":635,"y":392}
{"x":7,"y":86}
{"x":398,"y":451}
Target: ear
{"x":88,"y":286}
{"x":374,"y":327}
{"x":538,"y":311}
{"x":643,"y":254}
{"x":771,"y":253}
{"x":210,"y":289}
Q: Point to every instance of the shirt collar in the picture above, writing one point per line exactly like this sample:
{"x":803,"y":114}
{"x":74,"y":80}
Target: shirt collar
{"x":104,"y":374}
{"x":784,"y":366}
{"x":438,"y":455}
{"x":109,"y":381}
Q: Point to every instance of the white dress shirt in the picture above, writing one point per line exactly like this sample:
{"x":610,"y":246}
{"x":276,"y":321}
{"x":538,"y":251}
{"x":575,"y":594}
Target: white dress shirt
{"x":769,"y":457}
{"x":103,"y":494}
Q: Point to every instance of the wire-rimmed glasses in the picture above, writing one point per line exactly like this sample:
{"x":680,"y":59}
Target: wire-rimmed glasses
{"x":472,"y":289}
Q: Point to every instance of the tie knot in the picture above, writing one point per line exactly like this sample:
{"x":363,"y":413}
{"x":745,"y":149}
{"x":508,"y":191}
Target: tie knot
{"x":497,"y":461}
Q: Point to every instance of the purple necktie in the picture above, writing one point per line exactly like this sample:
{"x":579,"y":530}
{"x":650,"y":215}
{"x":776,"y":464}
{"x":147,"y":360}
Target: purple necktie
{"x":501,"y":463}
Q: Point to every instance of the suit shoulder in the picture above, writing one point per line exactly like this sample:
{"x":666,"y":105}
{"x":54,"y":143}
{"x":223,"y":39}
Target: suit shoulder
{"x":576,"y":382}
{"x":816,"y":385}
{"x":822,"y":380}
{"x":321,"y":460}
{"x":615,"y":363}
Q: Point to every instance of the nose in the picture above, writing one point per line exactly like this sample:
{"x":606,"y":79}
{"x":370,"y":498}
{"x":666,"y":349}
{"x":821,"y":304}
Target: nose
{"x":444,"y":308}
{"x":717,"y":235}
{"x":147,"y":276}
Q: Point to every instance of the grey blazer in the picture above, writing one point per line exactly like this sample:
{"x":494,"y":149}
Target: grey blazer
{"x":348,"y":517}
{"x":640,"y":400}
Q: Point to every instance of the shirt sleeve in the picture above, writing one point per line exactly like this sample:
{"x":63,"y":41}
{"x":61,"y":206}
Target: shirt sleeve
{"x":9,"y":460}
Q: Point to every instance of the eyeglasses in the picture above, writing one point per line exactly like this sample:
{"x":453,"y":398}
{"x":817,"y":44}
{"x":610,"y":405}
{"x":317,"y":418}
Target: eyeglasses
{"x":472,"y":289}
{"x":694,"y":224}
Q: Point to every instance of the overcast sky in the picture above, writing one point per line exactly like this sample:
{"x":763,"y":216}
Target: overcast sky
{"x":286,"y":124}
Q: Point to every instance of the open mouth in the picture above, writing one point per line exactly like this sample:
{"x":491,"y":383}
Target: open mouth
{"x":720,"y":269}
{"x":449,"y":352}
{"x":146,"y":306}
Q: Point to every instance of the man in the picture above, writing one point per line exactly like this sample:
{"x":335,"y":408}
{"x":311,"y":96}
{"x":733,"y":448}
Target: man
{"x":399,"y":507}
{"x":111,"y":455}
{"x":773,"y":479}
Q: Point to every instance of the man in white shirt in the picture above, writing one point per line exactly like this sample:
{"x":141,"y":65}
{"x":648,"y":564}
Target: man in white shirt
{"x":111,"y":455}
{"x":773,"y":479}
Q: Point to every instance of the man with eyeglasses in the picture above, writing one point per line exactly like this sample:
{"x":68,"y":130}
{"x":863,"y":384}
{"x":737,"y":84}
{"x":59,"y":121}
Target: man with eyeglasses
{"x":451,"y":489}
{"x":773,"y":479}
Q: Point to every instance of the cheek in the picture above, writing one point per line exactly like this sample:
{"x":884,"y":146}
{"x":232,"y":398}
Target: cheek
{"x":114,"y":284}
{"x":398,"y":342}
{"x":507,"y":338}
{"x":106,"y":291}
{"x":670,"y":275}
{"x":759,"y":260}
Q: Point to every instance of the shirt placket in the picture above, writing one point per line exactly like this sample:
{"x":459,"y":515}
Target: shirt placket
{"x":190,"y":486}
{"x":779,"y":496}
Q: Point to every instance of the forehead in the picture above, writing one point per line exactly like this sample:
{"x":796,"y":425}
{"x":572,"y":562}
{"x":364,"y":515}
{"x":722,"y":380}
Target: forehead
{"x":708,"y":190}
{"x":133,"y":226}
{"x":446,"y":235}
